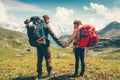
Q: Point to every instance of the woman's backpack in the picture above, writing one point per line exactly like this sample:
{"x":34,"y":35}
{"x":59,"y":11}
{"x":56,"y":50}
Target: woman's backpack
{"x":88,"y":36}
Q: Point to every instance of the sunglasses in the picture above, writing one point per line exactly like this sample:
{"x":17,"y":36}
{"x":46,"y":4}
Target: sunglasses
{"x":76,"y":23}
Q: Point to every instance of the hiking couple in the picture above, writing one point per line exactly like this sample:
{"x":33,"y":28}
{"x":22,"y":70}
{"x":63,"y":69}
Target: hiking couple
{"x":43,"y":50}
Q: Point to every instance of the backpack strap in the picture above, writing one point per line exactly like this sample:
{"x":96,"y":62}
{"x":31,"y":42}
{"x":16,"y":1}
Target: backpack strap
{"x":43,"y":33}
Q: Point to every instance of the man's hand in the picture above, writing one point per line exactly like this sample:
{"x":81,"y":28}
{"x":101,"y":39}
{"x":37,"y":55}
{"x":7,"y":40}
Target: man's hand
{"x":63,"y":46}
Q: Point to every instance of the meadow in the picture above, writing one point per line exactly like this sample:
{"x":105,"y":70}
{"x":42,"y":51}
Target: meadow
{"x":105,"y":66}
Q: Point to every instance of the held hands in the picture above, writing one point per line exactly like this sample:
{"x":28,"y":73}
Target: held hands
{"x":65,"y":45}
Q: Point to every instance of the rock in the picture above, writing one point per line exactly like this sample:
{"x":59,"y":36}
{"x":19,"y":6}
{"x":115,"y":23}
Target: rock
{"x":19,"y":55}
{"x":28,"y":50}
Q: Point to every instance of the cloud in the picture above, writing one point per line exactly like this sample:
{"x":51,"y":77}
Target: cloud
{"x":113,"y":14}
{"x":63,"y":13}
{"x":11,"y":5}
{"x":100,"y":9}
{"x":62,"y":20}
{"x":11,"y":21}
{"x":86,"y":8}
{"x":109,"y":14}
{"x":5,"y":16}
{"x":3,"y":13}
{"x":102,"y":14}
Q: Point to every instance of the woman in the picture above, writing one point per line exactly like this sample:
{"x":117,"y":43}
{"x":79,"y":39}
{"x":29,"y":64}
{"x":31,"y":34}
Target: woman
{"x":79,"y":52}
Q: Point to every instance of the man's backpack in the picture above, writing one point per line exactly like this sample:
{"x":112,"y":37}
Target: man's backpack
{"x":35,"y":31}
{"x":88,"y":36}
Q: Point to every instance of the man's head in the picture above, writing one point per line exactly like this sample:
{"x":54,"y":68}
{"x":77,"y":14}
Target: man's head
{"x":46,"y":18}
{"x":77,"y":23}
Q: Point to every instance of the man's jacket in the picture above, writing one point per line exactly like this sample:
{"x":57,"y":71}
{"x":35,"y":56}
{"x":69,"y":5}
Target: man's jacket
{"x":33,"y":37}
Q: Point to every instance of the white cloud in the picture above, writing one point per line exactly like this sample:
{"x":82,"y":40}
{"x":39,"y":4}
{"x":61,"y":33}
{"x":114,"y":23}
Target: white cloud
{"x":113,"y":15}
{"x":63,"y":14}
{"x":100,"y":9}
{"x":19,"y":6}
{"x":61,"y":11}
{"x":11,"y":21}
{"x":3,"y":13}
{"x":62,"y":21}
{"x":107,"y":15}
{"x":86,"y":8}
{"x":5,"y":16}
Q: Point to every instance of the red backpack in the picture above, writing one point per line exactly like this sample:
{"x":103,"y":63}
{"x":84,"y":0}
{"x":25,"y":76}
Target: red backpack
{"x":88,"y":36}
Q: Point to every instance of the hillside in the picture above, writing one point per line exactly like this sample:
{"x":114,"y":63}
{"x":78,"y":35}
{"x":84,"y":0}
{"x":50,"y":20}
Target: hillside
{"x":12,"y":39}
{"x":100,"y":67}
{"x":111,"y":30}
{"x":115,"y":54}
{"x":4,"y":33}
{"x":13,"y":43}
{"x":18,"y":61}
{"x":64,"y":37}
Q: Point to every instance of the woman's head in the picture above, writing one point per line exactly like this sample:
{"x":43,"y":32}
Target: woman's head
{"x":77,"y":23}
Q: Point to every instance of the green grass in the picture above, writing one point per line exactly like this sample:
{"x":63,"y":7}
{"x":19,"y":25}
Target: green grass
{"x":115,"y":54}
{"x":10,"y":33}
{"x":24,"y":68}
{"x":101,"y":67}
{"x":17,"y":63}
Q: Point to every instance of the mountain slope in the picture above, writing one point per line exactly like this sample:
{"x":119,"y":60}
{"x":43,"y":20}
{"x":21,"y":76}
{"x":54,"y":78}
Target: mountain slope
{"x":4,"y":33}
{"x":12,"y":44}
{"x":111,"y":30}
{"x":12,"y":39}
{"x":9,"y":38}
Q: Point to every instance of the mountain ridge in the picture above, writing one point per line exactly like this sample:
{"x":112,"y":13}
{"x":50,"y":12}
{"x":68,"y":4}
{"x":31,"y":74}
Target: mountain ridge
{"x":6,"y":33}
{"x":111,"y":30}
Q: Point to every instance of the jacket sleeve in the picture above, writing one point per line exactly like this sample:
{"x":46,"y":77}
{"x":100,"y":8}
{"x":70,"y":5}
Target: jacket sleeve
{"x":54,"y":36}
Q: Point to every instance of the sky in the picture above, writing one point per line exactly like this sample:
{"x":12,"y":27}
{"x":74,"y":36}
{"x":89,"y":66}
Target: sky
{"x":62,"y":13}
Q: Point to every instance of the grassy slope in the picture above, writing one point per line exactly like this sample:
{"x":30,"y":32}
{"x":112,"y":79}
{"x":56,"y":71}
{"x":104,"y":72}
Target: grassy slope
{"x":102,"y":67}
{"x":24,"y":68}
{"x":12,"y":43}
{"x":5,"y":33}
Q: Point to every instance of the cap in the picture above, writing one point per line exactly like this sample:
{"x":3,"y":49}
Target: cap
{"x":77,"y":22}
{"x":46,"y":17}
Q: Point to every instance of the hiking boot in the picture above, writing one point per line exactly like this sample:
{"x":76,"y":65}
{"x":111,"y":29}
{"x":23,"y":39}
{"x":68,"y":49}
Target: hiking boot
{"x":82,"y":73}
{"x":39,"y":77}
{"x":51,"y":73}
{"x":74,"y":75}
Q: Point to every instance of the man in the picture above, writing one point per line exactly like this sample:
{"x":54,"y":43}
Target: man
{"x":79,"y":52}
{"x":43,"y":50}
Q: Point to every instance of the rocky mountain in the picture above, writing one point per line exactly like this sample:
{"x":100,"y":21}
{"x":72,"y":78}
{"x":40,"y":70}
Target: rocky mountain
{"x":64,"y":37}
{"x":111,"y":30}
